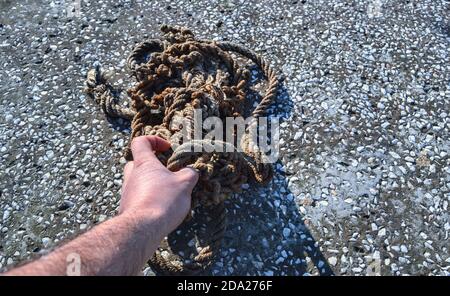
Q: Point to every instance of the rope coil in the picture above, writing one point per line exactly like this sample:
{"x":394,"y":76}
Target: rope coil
{"x":174,"y":77}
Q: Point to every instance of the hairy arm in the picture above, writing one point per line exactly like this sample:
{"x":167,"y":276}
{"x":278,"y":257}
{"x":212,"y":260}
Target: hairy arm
{"x":154,"y":202}
{"x":119,"y":246}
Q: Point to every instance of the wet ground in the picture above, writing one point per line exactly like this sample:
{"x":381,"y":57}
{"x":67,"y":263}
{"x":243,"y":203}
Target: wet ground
{"x":363,"y":181}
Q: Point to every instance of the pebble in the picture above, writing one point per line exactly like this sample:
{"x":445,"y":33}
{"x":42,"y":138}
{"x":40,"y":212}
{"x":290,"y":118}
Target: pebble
{"x":46,"y":241}
{"x":286,"y":232}
{"x":50,"y":154}
{"x":394,"y":155}
{"x":332,"y":261}
{"x":6,"y":215}
{"x":298,"y":135}
{"x":72,"y":149}
{"x":382,"y":232}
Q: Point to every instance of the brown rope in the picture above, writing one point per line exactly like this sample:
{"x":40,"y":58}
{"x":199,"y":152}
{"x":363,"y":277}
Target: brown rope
{"x":175,"y":76}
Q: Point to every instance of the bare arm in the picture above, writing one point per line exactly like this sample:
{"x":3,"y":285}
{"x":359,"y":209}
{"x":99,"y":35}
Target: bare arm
{"x":154,"y":202}
{"x":118,"y":246}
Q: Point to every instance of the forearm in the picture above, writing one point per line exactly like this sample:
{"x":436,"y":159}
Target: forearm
{"x":119,"y":246}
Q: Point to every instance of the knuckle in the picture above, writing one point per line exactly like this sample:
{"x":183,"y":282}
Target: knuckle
{"x":188,"y":175}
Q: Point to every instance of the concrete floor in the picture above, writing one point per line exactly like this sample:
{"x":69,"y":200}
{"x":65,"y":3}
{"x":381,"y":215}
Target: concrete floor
{"x":363,"y":181}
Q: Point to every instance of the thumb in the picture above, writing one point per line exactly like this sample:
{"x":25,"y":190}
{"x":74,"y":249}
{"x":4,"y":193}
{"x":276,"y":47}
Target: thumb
{"x":189,"y":176}
{"x":126,"y":173}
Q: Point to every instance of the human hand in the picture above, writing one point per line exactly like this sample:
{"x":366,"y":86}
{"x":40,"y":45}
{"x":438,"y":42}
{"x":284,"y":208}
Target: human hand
{"x":150,"y":190}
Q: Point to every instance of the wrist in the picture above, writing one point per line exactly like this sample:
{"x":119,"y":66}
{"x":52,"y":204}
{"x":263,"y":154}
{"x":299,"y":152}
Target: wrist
{"x":148,"y":222}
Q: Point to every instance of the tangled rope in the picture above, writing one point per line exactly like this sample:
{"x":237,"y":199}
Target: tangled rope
{"x":175,"y":76}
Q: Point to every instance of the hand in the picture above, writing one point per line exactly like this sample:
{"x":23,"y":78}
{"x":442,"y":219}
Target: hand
{"x":150,"y":190}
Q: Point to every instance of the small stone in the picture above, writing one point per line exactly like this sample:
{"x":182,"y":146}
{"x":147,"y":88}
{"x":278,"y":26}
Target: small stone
{"x":72,"y":149}
{"x":432,"y":168}
{"x":409,"y":159}
{"x":6,"y":214}
{"x":50,"y":154}
{"x":46,"y":241}
{"x":332,"y":261}
{"x":394,"y":155}
{"x":374,"y":227}
{"x":404,"y":249}
{"x":396,"y":248}
{"x":279,"y":260}
{"x":65,"y":205}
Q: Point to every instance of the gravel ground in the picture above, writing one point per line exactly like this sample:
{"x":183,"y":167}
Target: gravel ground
{"x":363,"y":181}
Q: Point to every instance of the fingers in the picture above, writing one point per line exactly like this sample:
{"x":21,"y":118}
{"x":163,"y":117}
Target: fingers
{"x":143,"y":149}
{"x":127,"y":172}
{"x":188,"y":175}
